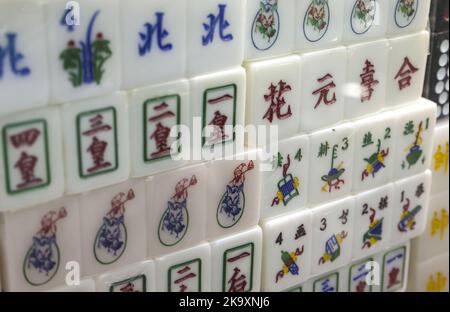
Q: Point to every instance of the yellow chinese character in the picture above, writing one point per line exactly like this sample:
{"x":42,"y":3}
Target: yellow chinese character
{"x":441,"y":159}
{"x":438,"y":284}
{"x":439,"y":224}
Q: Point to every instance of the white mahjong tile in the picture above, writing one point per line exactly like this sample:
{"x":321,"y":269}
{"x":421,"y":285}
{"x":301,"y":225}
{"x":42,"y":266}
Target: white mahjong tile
{"x":407,"y":16}
{"x":440,"y":160}
{"x":395,"y":263}
{"x":430,"y":276}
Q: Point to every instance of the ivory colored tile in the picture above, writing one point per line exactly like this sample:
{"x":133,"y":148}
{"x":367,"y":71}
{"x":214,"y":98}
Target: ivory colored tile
{"x":406,"y":17}
{"x":440,"y":160}
{"x":395,"y":264}
{"x":430,"y":276}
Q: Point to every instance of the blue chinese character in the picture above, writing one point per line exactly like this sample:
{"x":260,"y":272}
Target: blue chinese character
{"x":215,"y":21}
{"x":14,"y":57}
{"x":161,"y":34}
{"x":326,"y":287}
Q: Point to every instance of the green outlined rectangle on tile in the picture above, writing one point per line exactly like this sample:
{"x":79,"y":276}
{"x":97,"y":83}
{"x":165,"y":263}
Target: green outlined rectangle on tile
{"x":241,"y":260}
{"x":179,"y":274}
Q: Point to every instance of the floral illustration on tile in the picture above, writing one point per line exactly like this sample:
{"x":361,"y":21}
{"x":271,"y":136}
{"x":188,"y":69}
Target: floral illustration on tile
{"x":43,"y":257}
{"x":363,"y":16}
{"x":317,"y":20}
{"x":266,"y":25}
{"x":405,"y":12}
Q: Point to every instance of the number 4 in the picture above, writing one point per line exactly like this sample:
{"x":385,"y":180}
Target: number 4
{"x":279,"y":240}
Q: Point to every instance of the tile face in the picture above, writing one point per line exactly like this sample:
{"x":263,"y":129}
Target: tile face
{"x":331,"y":158}
{"x":113,"y":223}
{"x":84,"y":59}
{"x":273,"y":94}
{"x":319,"y":24}
{"x":374,"y":151}
{"x":269,"y":26}
{"x":155,"y":111}
{"x":177,"y":211}
{"x":332,"y":235}
{"x":410,"y":214}
{"x":236,"y":262}
{"x":407,"y":16}
{"x":406,"y":71}
{"x":284,"y":177}
{"x":440,"y":160}
{"x":287,"y":251}
{"x":359,"y":276}
{"x":218,"y":101}
{"x":414,"y":138}
{"x":185,"y":271}
{"x":215,"y":35}
{"x":367,"y":66}
{"x":395,"y":269}
{"x":431,"y":275}
{"x":23,"y":57}
{"x":373,"y":218}
{"x":233,"y":195}
{"x":38,"y":243}
{"x":31,"y":170}
{"x":135,"y":278}
{"x":153,"y":35}
{"x":328,"y":283}
{"x":323,"y":80}
{"x":96,"y":135}
{"x":365,"y":19}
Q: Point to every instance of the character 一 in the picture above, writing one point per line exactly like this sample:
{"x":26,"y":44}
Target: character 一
{"x":111,"y":239}
{"x":375,"y":162}
{"x":317,"y":20}
{"x":408,"y":217}
{"x":375,"y":231}
{"x":333,"y":247}
{"x":232,"y":203}
{"x":288,"y":186}
{"x":289,"y":263}
{"x":333,"y":178}
{"x":266,"y":25}
{"x":175,"y":220}
{"x":43,"y":258}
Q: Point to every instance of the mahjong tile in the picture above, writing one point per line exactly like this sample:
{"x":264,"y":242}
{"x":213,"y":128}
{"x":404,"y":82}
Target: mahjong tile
{"x":37,"y":243}
{"x":406,"y":71}
{"x":414,"y":138}
{"x":331,"y":163}
{"x":236,"y":262}
{"x":188,"y":270}
{"x":330,"y":282}
{"x":365,"y":20}
{"x":269,"y":28}
{"x":96,"y":141}
{"x":319,"y":24}
{"x":374,"y":151}
{"x":284,"y":176}
{"x":233,"y":195}
{"x":430,"y":276}
{"x":113,"y":226}
{"x":407,"y":16}
{"x":86,"y":285}
{"x":363,"y":276}
{"x":139,"y":277}
{"x":176,"y":210}
{"x":31,"y":168}
{"x":23,"y":60}
{"x":83,"y":44}
{"x":217,"y":103}
{"x":215,"y":35}
{"x":373,"y":218}
{"x":287,"y":251}
{"x":273,"y":94}
{"x":440,"y":160}
{"x":367,"y":65}
{"x":323,"y":81}
{"x":395,"y":263}
{"x":332,"y":234}
{"x":153,"y":35}
{"x":156,"y":111}
{"x":411,"y":198}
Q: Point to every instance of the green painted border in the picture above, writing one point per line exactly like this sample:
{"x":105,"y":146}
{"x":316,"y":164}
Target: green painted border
{"x":224,"y":268}
{"x":403,"y":268}
{"x":350,"y":274}
{"x":169,"y":273}
{"x":131,"y":279}
{"x":116,"y":151}
{"x":205,"y":95}
{"x":321,"y":279}
{"x":6,"y":161}
{"x":144,"y":137}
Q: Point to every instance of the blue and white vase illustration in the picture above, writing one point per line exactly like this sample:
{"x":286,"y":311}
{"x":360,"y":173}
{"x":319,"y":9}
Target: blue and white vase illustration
{"x":111,"y":239}
{"x":363,"y":16}
{"x":232,"y":204}
{"x":43,"y":257}
{"x":266,"y":25}
{"x":175,"y":220}
{"x":405,"y":12}
{"x":317,"y":20}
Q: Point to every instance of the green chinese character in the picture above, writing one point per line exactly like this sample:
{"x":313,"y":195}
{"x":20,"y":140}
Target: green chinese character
{"x":323,"y":149}
{"x":368,"y":139}
{"x":409,"y":128}
{"x":277,"y":161}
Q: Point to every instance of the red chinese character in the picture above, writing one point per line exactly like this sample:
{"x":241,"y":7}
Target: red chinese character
{"x":324,"y":91}
{"x":393,"y":277}
{"x":181,"y":280}
{"x":26,"y":164}
{"x":405,"y":73}
{"x":361,"y":287}
{"x":368,"y":81}
{"x":128,"y":288}
{"x":96,"y":125}
{"x":97,"y":150}
{"x":160,"y":135}
{"x":27,"y":138}
{"x":277,"y":101}
{"x":237,"y":282}
{"x":218,"y":122}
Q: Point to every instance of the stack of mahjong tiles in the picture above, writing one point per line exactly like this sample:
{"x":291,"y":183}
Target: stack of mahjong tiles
{"x":107,"y":182}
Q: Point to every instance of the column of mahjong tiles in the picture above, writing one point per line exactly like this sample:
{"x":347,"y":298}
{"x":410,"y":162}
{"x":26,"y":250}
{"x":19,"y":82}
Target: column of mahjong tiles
{"x":88,"y":176}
